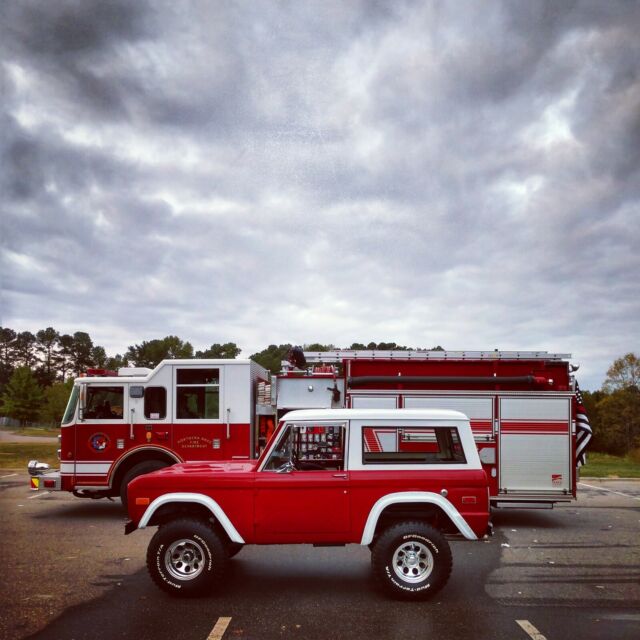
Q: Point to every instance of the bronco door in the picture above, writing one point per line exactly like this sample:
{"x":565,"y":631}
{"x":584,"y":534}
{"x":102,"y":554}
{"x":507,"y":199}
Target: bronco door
{"x":302,"y":489}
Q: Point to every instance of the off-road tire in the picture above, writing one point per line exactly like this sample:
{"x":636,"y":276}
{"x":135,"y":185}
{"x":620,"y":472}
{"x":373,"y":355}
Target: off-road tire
{"x":234,"y":548}
{"x":138,"y":470}
{"x":186,"y":558}
{"x":411,"y":560}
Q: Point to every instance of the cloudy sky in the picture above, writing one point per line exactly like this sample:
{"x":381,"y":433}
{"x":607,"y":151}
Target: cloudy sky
{"x":461,"y":174}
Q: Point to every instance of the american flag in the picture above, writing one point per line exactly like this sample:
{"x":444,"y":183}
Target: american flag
{"x":583,"y":429}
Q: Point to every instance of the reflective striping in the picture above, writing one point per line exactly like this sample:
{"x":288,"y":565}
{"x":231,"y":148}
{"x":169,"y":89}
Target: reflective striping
{"x":534,"y":428}
{"x":218,"y":630}
{"x":86,"y":468}
{"x":530,"y":630}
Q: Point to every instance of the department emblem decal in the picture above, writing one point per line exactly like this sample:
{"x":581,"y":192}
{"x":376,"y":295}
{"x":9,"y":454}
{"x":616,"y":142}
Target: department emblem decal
{"x":99,"y":441}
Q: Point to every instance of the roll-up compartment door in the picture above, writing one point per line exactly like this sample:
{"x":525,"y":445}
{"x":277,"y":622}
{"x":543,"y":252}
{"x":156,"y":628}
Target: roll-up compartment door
{"x":535,"y":445}
{"x":478,"y":409}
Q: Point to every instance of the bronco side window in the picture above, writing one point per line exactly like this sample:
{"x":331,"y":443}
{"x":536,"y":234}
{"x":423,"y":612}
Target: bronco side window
{"x":411,"y":445}
{"x":309,"y":447}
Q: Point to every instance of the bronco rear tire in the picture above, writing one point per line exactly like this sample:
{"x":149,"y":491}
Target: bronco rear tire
{"x":411,"y":560}
{"x":186,"y":558}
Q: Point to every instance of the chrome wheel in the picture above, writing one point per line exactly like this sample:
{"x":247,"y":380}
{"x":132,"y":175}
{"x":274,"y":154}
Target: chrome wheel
{"x":184,"y":559}
{"x":412,"y":561}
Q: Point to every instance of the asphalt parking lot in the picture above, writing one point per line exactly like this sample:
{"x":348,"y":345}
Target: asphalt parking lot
{"x":573,"y":572}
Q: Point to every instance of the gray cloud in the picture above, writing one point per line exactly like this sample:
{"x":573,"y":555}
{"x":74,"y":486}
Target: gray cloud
{"x":324,"y":171}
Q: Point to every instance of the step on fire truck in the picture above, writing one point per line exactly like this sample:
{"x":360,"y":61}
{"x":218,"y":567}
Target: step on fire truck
{"x":524,"y":407}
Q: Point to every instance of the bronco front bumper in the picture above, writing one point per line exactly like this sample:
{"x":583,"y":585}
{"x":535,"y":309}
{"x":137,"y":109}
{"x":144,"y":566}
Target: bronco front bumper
{"x":42,"y":477}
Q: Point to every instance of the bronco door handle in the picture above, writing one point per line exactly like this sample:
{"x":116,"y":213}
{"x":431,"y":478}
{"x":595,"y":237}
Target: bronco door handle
{"x":339,"y":475}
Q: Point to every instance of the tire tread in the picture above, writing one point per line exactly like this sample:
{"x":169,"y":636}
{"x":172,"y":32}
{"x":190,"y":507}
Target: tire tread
{"x":380,"y":558}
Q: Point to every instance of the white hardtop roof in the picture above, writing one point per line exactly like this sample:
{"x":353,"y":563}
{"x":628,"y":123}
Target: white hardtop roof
{"x":147,"y":374}
{"x":374,"y":414}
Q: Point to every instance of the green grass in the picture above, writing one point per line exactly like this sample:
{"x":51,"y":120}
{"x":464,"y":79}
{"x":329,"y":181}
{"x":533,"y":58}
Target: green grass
{"x":603,"y":465}
{"x":16,"y":455}
{"x":50,"y":432}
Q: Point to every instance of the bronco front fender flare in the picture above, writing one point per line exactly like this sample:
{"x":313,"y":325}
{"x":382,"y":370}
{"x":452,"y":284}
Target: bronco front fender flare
{"x":196,"y":498}
{"x":415,"y":496}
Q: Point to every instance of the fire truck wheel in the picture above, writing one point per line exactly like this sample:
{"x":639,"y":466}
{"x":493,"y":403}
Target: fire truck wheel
{"x":137,"y":470}
{"x":411,"y":560}
{"x":186,"y":558}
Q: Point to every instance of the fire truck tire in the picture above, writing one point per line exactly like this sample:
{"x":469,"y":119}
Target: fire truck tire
{"x":411,"y":560}
{"x":186,"y":558}
{"x":137,"y":470}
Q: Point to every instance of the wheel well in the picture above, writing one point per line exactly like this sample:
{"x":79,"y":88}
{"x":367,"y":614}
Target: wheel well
{"x":174,"y":510}
{"x":142,"y":456}
{"x":426,"y":512}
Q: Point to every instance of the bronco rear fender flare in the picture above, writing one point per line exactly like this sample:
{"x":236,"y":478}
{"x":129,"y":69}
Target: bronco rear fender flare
{"x":196,"y":498}
{"x":415,"y":496}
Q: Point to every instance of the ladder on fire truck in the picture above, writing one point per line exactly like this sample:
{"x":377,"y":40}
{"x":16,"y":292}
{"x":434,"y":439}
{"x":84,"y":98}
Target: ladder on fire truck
{"x":338,"y":355}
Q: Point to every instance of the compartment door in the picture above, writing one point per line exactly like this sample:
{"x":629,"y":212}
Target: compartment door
{"x":535,"y":445}
{"x":374,"y":402}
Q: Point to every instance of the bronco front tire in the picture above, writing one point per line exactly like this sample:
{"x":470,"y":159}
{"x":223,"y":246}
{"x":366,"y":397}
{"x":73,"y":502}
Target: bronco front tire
{"x":411,"y":560}
{"x":186,"y":558}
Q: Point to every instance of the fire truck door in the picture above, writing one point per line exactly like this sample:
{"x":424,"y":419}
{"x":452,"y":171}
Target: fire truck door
{"x":100,"y":431}
{"x":535,"y":445}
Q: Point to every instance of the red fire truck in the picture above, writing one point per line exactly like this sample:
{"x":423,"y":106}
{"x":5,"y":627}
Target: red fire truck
{"x":524,"y":408}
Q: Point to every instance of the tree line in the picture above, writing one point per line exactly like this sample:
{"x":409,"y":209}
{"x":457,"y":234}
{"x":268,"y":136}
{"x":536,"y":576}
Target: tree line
{"x":36,"y":372}
{"x":614,"y":410}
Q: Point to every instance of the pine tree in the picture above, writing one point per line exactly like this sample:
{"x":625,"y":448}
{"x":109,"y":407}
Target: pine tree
{"x":22,"y":396}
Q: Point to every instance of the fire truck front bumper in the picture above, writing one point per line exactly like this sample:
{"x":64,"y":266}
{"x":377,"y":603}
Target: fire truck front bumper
{"x":44,"y":478}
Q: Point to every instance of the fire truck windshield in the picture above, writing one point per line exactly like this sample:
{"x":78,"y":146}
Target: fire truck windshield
{"x":71,"y":405}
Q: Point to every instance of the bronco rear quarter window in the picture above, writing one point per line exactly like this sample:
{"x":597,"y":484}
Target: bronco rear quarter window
{"x":411,"y":445}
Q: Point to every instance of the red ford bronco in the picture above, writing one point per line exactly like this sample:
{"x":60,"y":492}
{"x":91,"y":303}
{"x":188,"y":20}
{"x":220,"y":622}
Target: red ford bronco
{"x":395,"y":480}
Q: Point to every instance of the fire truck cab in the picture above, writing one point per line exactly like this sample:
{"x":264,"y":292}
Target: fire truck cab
{"x":119,"y":426}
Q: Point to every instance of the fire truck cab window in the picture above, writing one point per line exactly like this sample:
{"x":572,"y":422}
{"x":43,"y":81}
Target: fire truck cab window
{"x":70,"y":411}
{"x":155,"y":403}
{"x":411,"y":445}
{"x":104,"y":403}
{"x":198,"y":394}
{"x":308,"y":447}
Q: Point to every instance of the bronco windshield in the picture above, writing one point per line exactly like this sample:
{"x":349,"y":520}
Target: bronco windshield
{"x":71,"y":405}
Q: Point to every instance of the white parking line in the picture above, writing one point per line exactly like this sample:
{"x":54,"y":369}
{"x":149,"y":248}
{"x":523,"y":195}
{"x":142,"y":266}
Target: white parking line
{"x":9,"y":476}
{"x":618,"y":493}
{"x":39,"y":495}
{"x":218,"y":630}
{"x":531,"y":631}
